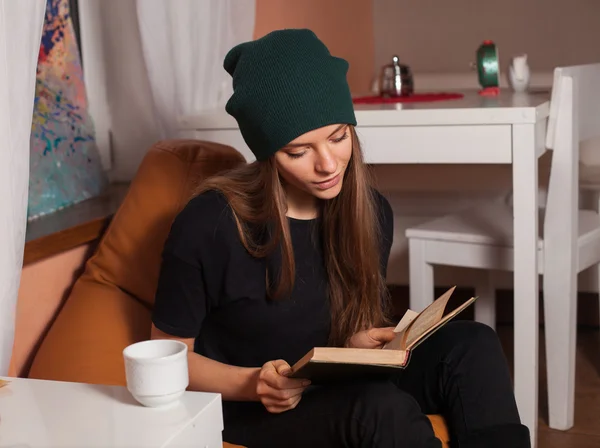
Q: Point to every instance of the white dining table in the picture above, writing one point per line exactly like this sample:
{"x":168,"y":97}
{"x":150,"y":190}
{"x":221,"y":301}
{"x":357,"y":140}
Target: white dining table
{"x":506,"y":129}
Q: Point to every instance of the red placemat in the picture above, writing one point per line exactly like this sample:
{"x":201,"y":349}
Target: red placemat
{"x":414,"y":98}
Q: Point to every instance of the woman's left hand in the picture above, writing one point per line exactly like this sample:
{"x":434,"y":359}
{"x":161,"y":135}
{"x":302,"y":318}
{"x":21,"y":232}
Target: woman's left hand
{"x":371,"y":338}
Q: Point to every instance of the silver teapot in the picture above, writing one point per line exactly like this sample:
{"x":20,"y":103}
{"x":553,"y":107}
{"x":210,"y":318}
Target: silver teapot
{"x":396,"y":79}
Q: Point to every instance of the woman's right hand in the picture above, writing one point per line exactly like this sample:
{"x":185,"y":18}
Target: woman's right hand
{"x":277,"y":392}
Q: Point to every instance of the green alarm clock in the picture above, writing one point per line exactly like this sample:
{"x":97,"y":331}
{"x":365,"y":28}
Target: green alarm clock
{"x":488,"y":68}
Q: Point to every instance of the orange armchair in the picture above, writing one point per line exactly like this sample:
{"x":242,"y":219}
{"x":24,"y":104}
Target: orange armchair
{"x":109,"y":306}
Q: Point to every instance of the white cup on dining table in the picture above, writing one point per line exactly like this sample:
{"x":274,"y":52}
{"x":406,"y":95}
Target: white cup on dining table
{"x":156,"y":371}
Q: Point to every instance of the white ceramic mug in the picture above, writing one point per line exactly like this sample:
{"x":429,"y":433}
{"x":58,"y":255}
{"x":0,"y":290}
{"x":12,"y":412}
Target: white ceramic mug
{"x":156,"y":371}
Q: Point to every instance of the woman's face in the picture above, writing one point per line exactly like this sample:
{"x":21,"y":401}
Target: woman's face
{"x":315,"y":162}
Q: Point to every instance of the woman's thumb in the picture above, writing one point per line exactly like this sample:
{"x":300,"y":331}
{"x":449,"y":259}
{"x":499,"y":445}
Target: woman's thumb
{"x":383,"y":334}
{"x":283,"y":368}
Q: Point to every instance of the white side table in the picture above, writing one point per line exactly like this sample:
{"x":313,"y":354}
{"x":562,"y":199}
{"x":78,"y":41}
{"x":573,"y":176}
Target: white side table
{"x":49,"y":414}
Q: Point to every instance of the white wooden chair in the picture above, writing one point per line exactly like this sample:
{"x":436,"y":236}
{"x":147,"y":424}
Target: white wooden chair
{"x":482,"y":237}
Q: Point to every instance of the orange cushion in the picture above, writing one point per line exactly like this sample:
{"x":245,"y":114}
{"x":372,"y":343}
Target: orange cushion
{"x":109,"y":305}
{"x":440,"y":429}
{"x":86,"y":341}
{"x":129,"y":254}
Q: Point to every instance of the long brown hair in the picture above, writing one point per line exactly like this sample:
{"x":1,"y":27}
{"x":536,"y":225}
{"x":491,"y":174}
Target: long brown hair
{"x":349,"y":230}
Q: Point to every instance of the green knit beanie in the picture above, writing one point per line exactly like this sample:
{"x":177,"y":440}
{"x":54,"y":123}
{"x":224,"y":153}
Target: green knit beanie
{"x":284,"y":85}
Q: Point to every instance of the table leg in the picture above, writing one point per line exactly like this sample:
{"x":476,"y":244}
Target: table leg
{"x":526,"y":283}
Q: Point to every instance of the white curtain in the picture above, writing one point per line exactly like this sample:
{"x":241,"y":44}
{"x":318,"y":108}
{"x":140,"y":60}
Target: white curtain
{"x":21,"y":25}
{"x":184,"y":43}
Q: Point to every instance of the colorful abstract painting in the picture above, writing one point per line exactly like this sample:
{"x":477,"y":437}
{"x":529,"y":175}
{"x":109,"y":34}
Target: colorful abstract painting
{"x":65,"y":165}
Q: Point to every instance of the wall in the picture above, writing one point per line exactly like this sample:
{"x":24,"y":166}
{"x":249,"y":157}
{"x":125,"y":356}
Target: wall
{"x":44,"y":288}
{"x":442,"y":37}
{"x":346,"y":27}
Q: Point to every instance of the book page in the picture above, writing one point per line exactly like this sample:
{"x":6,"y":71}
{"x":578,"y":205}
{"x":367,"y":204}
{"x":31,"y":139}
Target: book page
{"x":408,"y":317}
{"x":429,"y":331}
{"x":428,"y":318}
{"x":396,"y":343}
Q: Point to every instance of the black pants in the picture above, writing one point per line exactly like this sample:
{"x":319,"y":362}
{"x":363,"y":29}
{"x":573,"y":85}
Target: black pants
{"x":459,"y":372}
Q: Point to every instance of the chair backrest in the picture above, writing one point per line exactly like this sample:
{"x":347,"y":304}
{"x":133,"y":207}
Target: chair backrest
{"x":129,"y":255}
{"x":574,"y":117}
{"x":577,"y":84}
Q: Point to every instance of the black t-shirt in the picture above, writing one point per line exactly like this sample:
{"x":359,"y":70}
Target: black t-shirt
{"x":211,"y":289}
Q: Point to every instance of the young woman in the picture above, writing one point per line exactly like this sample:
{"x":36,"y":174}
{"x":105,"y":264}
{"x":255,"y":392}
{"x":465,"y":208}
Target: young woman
{"x":290,"y":252}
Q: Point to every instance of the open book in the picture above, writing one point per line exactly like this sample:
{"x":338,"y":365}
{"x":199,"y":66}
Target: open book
{"x":332,"y":363}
